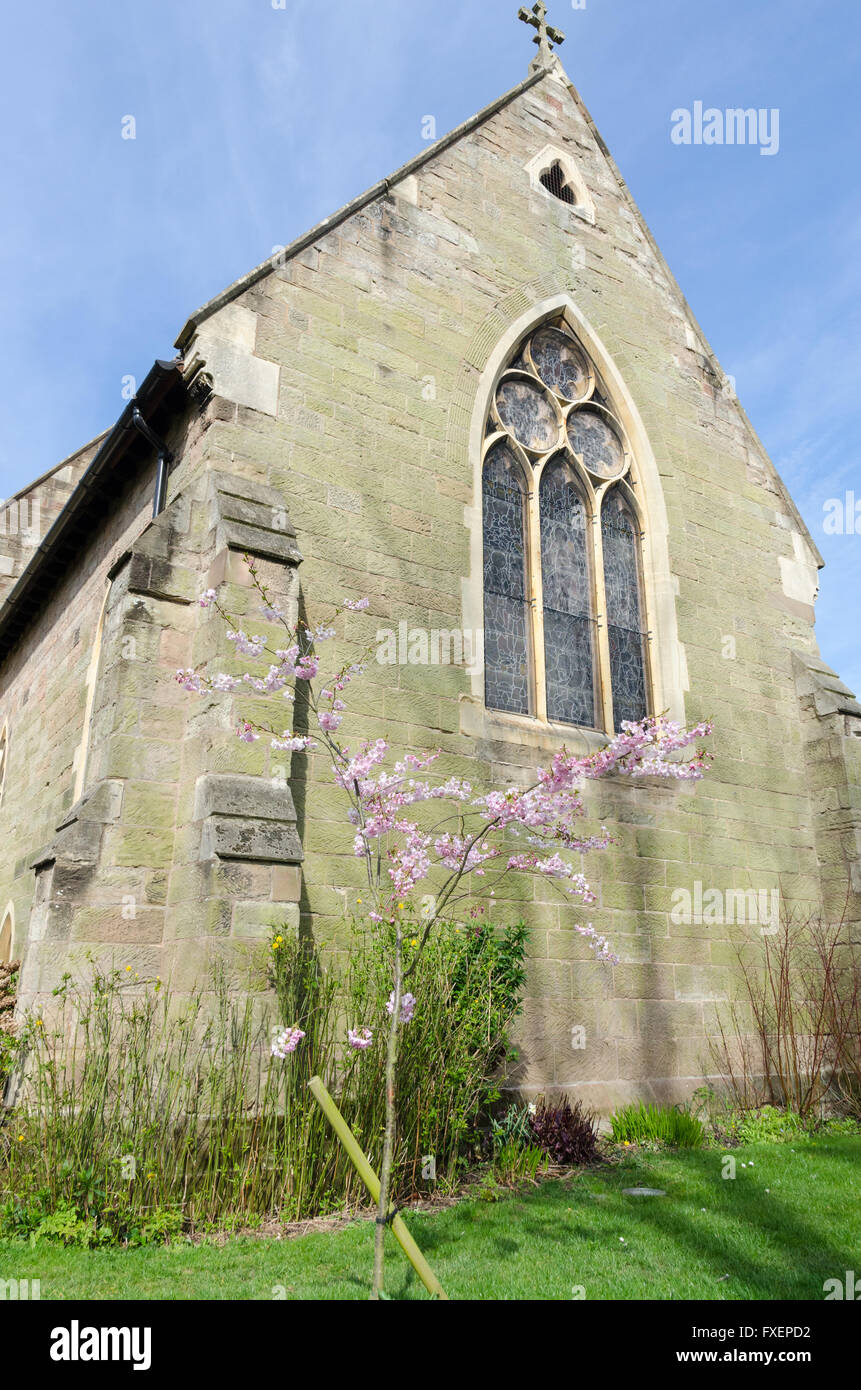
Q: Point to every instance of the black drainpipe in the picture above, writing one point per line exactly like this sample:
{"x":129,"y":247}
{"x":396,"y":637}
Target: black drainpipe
{"x":165,"y":459}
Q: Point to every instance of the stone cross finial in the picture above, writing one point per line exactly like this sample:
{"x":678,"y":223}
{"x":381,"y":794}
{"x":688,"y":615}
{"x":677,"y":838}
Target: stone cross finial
{"x":546,"y":36}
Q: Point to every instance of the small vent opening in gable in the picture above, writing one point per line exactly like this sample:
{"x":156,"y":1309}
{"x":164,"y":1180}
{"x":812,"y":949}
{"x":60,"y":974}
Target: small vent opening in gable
{"x":553,"y":179}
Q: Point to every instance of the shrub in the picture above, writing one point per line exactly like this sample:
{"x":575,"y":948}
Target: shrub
{"x":657,"y":1124}
{"x":767,"y":1125}
{"x":796,"y":1032}
{"x":566,"y":1132}
{"x":143,"y":1113}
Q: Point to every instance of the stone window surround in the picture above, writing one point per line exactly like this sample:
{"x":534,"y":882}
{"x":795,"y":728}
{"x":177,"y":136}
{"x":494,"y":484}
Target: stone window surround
{"x":668,"y":670}
{"x":593,"y":491}
{"x":550,"y":155}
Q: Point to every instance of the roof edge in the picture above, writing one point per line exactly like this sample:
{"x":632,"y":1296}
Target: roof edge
{"x":64,"y":463}
{"x":19,"y":602}
{"x":350,"y":209}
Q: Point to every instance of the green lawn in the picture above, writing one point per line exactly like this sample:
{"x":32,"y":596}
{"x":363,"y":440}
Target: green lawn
{"x":778,"y":1231}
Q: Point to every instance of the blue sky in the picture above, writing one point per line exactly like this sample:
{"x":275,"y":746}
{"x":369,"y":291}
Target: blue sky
{"x":252,"y":123}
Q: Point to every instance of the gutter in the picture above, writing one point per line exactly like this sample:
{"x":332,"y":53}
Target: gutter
{"x":165,"y":459}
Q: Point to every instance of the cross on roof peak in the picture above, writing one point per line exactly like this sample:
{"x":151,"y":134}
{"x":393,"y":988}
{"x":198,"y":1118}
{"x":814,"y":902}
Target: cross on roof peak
{"x":546,"y":37}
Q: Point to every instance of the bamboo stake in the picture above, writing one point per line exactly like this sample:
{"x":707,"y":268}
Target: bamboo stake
{"x":372,"y":1183}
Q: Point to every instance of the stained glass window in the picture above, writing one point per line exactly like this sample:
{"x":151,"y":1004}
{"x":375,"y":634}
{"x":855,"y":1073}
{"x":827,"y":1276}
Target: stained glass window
{"x":597,"y":443}
{"x":624,"y":609}
{"x":506,"y":625}
{"x":528,"y":413}
{"x":565,"y":638}
{"x":559,"y":363}
{"x":568,"y":610}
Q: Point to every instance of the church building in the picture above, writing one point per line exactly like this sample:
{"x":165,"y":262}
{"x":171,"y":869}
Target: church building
{"x":477,"y":397}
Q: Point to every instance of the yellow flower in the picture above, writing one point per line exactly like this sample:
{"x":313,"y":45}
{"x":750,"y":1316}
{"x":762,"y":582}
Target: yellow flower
{"x":360,"y":899}
{"x":128,"y":969}
{"x":415,"y":941}
{"x":400,"y":907}
{"x":39,"y":1023}
{"x":20,"y":1138}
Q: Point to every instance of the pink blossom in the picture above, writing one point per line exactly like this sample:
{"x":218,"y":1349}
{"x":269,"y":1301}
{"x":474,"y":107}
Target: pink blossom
{"x":408,"y":1006}
{"x":356,"y":605}
{"x":293,"y":743}
{"x":359,"y":1039}
{"x":285,"y":1041}
{"x":274,"y":680}
{"x":190,"y":680}
{"x":329,"y":721}
{"x":245,"y":645}
{"x":359,"y":767}
{"x":307,"y":668}
{"x":600,"y":945}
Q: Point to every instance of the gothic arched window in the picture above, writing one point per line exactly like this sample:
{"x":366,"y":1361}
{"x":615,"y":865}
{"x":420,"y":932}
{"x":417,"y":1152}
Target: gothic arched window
{"x":564,"y":611}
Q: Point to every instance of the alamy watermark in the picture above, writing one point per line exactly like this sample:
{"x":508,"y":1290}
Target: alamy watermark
{"x":77,"y":1343}
{"x":737,"y":125}
{"x":419,"y":646}
{"x":842,"y":515}
{"x":719,"y":907}
{"x":849,"y":1287}
{"x":20,"y":1290}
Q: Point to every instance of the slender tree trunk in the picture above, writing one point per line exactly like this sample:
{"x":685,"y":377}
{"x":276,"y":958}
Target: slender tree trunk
{"x":391,"y":1119}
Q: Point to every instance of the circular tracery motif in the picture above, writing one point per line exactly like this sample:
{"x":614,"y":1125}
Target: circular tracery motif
{"x":528,"y":413}
{"x":597,"y":443}
{"x":560,"y":364}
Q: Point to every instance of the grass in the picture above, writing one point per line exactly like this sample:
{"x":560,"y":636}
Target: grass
{"x":640,"y":1123}
{"x":709,"y":1238}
